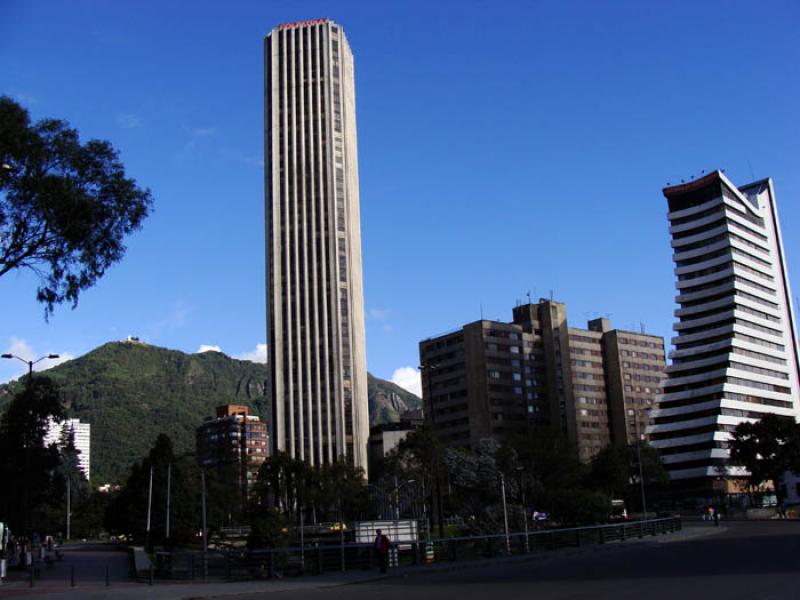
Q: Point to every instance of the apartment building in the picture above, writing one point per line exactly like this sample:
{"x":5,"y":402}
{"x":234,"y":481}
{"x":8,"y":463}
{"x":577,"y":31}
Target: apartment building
{"x":496,"y":379}
{"x":234,"y":438}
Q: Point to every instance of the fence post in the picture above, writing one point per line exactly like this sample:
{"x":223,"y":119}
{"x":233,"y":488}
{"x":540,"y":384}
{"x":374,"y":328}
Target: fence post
{"x":150,"y":582}
{"x":108,"y":577}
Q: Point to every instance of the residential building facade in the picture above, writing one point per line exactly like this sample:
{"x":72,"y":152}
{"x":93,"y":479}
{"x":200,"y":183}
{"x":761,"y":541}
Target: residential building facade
{"x":234,"y":439}
{"x":315,"y":294}
{"x":735,"y":355}
{"x":502,"y":380}
{"x":82,"y":438}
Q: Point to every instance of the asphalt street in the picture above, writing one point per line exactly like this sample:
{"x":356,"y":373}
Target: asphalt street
{"x":743,"y":560}
{"x":752,"y":560}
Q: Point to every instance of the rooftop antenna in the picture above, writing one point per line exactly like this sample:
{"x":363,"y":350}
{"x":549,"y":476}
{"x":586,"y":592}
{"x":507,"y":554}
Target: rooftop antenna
{"x":641,"y":326}
{"x":481,"y":311}
{"x":529,"y":297}
{"x":551,"y":295}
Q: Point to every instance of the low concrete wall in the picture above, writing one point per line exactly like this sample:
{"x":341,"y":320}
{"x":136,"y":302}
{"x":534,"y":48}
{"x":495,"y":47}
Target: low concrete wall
{"x":141,"y":560}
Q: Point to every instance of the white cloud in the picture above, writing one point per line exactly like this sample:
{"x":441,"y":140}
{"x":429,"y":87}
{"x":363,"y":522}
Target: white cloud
{"x":23,"y":350}
{"x":388,"y":328}
{"x":178,"y":317}
{"x":196,"y":134}
{"x":409,"y":379}
{"x":129,"y":121}
{"x":379,"y":314}
{"x":259,"y":355}
{"x":208,"y":348}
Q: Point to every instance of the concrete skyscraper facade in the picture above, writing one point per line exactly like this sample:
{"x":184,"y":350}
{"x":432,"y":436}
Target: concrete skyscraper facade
{"x":735,"y":355}
{"x":315,"y":317}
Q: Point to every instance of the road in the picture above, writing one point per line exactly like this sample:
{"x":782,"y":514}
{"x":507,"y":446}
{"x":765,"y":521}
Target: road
{"x":737,"y":561}
{"x":746,"y":560}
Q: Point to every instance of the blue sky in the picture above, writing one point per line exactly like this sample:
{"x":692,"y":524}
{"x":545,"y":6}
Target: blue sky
{"x":504,"y":147}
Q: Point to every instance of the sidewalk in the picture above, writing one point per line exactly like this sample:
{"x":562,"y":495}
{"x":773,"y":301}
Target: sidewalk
{"x":51,"y":590}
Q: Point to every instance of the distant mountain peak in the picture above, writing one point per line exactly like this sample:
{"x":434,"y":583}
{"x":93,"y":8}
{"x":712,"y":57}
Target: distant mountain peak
{"x":130,"y":391}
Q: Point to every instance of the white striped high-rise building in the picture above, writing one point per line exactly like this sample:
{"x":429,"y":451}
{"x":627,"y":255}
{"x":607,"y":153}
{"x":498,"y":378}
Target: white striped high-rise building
{"x":315,"y":293}
{"x":735,"y":356}
{"x":81,"y":437}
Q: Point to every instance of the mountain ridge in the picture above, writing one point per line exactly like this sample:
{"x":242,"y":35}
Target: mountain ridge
{"x":131,"y":391}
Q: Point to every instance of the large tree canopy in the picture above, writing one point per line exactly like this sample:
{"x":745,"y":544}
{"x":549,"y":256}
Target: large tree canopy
{"x":767,"y":448}
{"x":65,"y":207}
{"x":29,"y":470}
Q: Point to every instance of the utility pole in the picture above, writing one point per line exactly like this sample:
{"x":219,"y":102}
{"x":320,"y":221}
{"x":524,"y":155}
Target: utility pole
{"x":149,"y":506}
{"x":169,"y":486}
{"x":505,"y":512}
{"x":639,"y":460}
{"x":428,"y":368}
{"x":205,"y":529}
{"x":69,"y":510}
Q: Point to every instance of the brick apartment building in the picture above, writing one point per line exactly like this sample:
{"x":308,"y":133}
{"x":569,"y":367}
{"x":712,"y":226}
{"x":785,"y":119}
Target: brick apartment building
{"x":234,"y":438}
{"x":497,"y":379}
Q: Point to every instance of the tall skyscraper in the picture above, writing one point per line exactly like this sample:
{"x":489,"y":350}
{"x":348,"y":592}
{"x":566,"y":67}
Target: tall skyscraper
{"x":735,"y":355}
{"x":315,"y":293}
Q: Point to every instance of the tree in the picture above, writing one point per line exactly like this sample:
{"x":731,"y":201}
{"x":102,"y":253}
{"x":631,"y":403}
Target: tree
{"x":420,"y":456}
{"x":65,"y":207}
{"x":127,"y":513}
{"x":615,"y":470}
{"x":767,"y":448}
{"x":29,"y":471}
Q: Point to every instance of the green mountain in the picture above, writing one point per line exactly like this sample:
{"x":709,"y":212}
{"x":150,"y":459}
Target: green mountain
{"x":388,"y":401}
{"x":130,"y":392}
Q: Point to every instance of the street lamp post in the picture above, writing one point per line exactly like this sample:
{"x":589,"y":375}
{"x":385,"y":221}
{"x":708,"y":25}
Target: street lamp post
{"x":505,"y":512}
{"x":428,"y":367}
{"x":524,"y":509}
{"x":396,"y":492}
{"x":30,"y":363}
{"x":639,"y":460}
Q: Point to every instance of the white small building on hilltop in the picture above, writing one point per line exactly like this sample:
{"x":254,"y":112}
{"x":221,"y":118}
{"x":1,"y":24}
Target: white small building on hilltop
{"x":82,"y":433}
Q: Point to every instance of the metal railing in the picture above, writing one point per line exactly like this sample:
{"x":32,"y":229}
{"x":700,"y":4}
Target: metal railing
{"x":318,"y":559}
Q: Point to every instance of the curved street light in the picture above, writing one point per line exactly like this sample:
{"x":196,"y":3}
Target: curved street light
{"x":30,"y":363}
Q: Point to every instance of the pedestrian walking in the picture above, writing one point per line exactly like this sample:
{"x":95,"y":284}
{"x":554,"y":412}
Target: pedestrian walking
{"x":716,"y":516}
{"x":382,"y":550}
